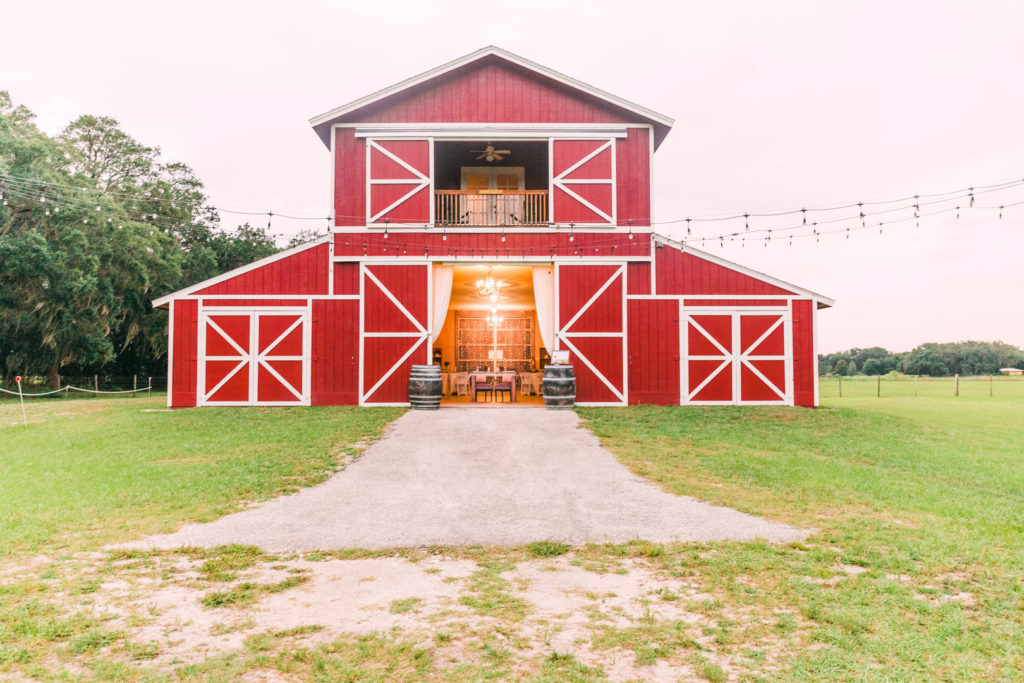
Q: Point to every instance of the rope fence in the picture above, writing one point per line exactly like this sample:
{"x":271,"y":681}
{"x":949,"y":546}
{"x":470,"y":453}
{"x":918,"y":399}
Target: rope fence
{"x":131,"y":385}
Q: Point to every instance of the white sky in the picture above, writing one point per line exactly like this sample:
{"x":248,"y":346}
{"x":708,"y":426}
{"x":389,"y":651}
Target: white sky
{"x":777,"y":105}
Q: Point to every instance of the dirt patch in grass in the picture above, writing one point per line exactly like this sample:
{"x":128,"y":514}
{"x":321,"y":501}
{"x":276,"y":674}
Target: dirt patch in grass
{"x":461,"y":615}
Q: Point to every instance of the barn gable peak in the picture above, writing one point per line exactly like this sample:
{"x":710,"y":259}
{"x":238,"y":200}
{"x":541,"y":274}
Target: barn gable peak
{"x":491,"y":54}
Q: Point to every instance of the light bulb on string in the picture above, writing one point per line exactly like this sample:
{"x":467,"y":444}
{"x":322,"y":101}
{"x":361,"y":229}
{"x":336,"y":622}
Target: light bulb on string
{"x":687,"y":226}
{"x":1000,"y":213}
{"x":971,"y":195}
{"x":746,"y":221}
{"x":572,"y":233}
{"x":805,"y":215}
{"x":630,"y":223}
{"x":879,"y":227}
{"x":444,"y":235}
{"x":958,"y":213}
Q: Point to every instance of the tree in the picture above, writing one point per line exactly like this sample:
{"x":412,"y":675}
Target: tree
{"x":303,"y":236}
{"x":93,"y":227}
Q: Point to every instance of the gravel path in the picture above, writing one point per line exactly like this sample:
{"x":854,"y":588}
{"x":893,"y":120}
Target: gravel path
{"x":478,"y":477}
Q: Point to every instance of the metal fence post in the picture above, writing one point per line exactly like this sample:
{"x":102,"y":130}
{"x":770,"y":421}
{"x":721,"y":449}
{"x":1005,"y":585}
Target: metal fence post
{"x":840,"y":386}
{"x":956,"y":384}
{"x":135,"y":384}
{"x":149,"y":385}
{"x":878,"y":393}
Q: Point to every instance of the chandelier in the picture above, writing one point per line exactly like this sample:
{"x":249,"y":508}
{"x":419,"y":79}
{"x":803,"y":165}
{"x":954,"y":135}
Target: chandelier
{"x":489,"y":287}
{"x":494,"y":320}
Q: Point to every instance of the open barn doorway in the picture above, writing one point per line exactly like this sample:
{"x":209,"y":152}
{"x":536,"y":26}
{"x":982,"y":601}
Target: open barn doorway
{"x":491,"y":346}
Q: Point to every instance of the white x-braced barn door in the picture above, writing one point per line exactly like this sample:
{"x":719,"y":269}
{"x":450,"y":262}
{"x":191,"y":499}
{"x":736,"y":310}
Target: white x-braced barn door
{"x":254,"y":356}
{"x":398,"y":191}
{"x":583,"y":182}
{"x":591,"y":326}
{"x":395,"y":330}
{"x":731,"y":356}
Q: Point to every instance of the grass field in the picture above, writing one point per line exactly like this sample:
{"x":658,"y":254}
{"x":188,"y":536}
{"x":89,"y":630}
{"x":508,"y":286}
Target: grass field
{"x":88,"y":472}
{"x":915,"y":568}
{"x":912,"y":572}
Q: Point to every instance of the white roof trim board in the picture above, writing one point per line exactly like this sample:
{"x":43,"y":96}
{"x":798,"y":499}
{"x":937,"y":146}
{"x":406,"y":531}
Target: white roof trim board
{"x":166,"y":298}
{"x":649,"y":114}
{"x":823,"y":301}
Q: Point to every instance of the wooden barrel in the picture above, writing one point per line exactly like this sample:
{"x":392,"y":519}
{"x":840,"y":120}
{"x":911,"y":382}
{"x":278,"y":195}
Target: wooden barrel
{"x":559,"y":387}
{"x":425,"y":387}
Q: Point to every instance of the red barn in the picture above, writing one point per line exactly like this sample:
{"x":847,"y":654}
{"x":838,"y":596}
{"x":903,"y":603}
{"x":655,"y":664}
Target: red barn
{"x":492,"y":166}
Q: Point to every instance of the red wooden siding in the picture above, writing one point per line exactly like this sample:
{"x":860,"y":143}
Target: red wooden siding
{"x":304,"y":272}
{"x":212,"y":301}
{"x":585,"y":245}
{"x":183,"y":368}
{"x":638,"y":278}
{"x":490,"y":92}
{"x":633,"y":178}
{"x":349,"y":178}
{"x":346,"y":278}
{"x":680,"y":273}
{"x":335,"y":362}
{"x":653,"y":344}
{"x":803,"y":353}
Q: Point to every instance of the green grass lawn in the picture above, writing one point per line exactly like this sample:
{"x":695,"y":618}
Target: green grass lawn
{"x":913,"y":570}
{"x":915,"y":567}
{"x":89,"y":472}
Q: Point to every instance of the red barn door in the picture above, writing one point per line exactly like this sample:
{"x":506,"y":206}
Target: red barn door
{"x":395,"y":330}
{"x":592,"y":324}
{"x":398,"y":187}
{"x":254,"y":356}
{"x":736,"y":357}
{"x":583,"y":182}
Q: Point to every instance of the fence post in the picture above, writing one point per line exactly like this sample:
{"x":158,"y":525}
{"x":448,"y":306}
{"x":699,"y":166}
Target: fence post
{"x":149,"y":385}
{"x":96,"y":383}
{"x":840,"y":386}
{"x":878,"y":394}
{"x":956,"y":384}
{"x":135,"y":384}
{"x":915,"y":386}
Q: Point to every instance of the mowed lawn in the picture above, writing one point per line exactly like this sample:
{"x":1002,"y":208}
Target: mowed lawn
{"x":913,"y":570}
{"x":916,"y":566}
{"x":89,"y":472}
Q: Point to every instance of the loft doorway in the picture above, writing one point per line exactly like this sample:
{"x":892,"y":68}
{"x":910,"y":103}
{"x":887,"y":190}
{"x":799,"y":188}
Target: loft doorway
{"x":491,"y":346}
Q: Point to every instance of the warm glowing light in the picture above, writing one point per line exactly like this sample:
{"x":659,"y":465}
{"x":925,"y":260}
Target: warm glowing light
{"x":489,"y":287}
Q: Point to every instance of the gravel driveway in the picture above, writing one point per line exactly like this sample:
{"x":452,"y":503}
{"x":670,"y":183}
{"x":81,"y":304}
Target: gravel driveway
{"x":478,"y":477}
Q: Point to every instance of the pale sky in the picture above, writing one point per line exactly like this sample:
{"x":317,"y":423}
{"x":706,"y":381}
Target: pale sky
{"x":777,"y":105}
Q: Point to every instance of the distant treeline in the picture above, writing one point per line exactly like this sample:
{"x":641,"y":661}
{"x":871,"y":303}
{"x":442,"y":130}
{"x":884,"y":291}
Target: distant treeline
{"x":935,"y":360}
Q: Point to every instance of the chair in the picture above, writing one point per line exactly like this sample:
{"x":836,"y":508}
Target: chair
{"x":507,"y":384}
{"x":481,"y":383}
{"x":460,"y":385}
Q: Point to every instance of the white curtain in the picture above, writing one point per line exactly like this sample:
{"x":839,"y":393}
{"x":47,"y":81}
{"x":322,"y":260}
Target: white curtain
{"x":544,"y":294}
{"x":442,"y":296}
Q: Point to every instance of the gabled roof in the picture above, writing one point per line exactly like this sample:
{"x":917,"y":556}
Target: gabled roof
{"x":322,"y":123}
{"x":820,"y":300}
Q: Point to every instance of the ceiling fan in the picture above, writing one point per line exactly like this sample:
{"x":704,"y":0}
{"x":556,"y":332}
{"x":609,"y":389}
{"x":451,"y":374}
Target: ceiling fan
{"x":491,"y":154}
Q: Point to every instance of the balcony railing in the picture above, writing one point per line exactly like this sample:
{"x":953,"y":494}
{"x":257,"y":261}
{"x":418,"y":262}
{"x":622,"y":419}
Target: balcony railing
{"x":491,"y":207}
